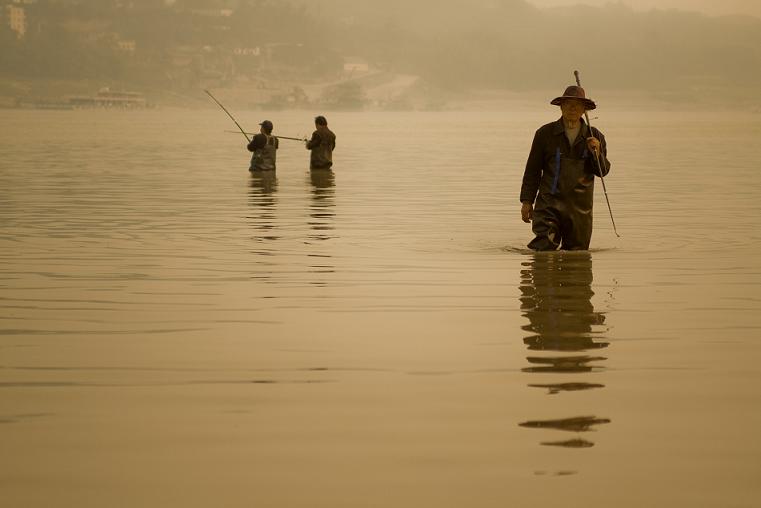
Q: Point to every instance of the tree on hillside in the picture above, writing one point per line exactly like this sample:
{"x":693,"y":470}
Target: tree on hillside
{"x":344,"y":96}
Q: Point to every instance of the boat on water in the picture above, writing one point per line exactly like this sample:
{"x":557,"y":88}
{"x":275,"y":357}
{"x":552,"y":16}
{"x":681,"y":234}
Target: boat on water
{"x":41,"y":104}
{"x":107,"y":98}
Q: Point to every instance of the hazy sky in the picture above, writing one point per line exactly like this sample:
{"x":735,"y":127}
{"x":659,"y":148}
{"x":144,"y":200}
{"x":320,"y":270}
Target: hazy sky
{"x":714,"y":7}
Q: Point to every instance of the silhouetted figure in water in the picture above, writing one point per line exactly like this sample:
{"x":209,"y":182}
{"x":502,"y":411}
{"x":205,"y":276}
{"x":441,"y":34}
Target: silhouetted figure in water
{"x":263,"y":183}
{"x":264,"y":145}
{"x":263,"y":201}
{"x":556,"y":298}
{"x":321,"y":208}
{"x":558,"y":182}
{"x":321,"y":145}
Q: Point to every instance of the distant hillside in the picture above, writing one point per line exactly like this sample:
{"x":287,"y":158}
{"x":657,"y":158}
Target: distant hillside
{"x":426,"y":17}
{"x":452,"y":46}
{"x":511,"y":44}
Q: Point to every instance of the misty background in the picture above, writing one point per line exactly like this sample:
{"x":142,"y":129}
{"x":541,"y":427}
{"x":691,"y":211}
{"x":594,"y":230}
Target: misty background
{"x":358,"y":54}
{"x":727,"y":7}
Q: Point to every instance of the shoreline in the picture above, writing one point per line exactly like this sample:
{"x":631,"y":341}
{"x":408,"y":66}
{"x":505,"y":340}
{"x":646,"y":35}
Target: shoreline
{"x":380,"y":93}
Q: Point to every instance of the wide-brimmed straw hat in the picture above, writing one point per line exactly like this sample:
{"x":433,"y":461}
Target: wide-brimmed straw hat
{"x":574,"y":92}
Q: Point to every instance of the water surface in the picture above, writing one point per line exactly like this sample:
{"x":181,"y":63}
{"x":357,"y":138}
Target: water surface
{"x":177,"y":332}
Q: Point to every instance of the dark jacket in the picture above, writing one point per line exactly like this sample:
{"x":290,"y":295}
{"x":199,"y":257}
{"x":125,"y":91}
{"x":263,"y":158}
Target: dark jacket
{"x":322,"y":144}
{"x":549,"y":143}
{"x":265,"y":152}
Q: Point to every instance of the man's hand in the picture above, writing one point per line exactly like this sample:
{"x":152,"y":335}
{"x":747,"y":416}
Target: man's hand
{"x":527,"y":212}
{"x":594,"y":145}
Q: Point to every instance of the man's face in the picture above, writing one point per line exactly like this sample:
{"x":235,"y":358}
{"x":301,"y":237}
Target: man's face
{"x":572,"y":109}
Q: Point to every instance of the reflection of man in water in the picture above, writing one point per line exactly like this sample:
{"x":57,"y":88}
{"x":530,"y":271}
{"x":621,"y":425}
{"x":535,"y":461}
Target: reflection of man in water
{"x":556,"y":295}
{"x":321,"y":213}
{"x":322,"y":228}
{"x":561,"y":168}
{"x":322,"y":182}
{"x":556,"y":298}
{"x":262,"y":199}
{"x":263,"y":184}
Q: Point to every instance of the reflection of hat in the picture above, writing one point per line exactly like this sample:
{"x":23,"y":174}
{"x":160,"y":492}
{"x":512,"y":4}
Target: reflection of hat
{"x":267,"y":125}
{"x":574,"y":92}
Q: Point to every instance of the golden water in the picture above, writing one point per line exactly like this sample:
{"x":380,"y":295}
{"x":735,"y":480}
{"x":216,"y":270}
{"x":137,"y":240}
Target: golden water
{"x":176,"y":332}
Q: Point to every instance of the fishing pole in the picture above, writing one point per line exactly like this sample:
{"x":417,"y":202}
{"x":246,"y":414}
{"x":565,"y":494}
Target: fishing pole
{"x":597,"y":159}
{"x":293,"y":139}
{"x":279,"y":137}
{"x":228,"y":114}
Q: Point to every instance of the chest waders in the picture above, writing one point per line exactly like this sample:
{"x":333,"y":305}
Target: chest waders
{"x":322,"y":155}
{"x":563,"y":208}
{"x":264,"y":158}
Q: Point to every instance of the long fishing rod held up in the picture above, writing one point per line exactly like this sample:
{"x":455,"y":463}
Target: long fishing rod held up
{"x":597,"y":160}
{"x":279,"y":137}
{"x":228,"y":114}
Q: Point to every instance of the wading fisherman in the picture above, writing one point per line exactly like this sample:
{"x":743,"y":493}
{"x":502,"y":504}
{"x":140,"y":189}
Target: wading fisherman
{"x":264,"y":145}
{"x":321,"y":145}
{"x":558,"y":183}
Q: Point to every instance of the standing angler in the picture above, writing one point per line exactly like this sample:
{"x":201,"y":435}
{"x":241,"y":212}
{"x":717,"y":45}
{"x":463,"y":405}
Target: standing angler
{"x":264,"y":145}
{"x":321,"y":145}
{"x":558,"y":183}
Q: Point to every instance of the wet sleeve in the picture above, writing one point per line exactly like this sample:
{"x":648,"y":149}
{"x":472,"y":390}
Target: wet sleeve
{"x":532,"y":175}
{"x":604,"y":162}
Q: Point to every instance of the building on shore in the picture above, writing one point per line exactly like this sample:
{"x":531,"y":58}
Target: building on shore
{"x":17,"y":21}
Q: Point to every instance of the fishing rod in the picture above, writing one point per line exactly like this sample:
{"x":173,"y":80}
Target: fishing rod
{"x":597,"y":159}
{"x":279,"y":137}
{"x":228,"y":114}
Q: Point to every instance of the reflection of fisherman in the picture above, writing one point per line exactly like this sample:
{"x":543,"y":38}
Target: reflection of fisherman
{"x":321,"y":208}
{"x":322,"y":181}
{"x":321,"y":145}
{"x":561,"y":168}
{"x":263,"y":183}
{"x":556,"y":297}
{"x":264,"y":145}
{"x":263,"y":201}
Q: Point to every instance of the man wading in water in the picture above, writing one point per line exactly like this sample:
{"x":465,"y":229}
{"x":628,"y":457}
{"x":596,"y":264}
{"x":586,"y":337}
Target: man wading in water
{"x":321,"y":145}
{"x":264,"y":145}
{"x":561,"y":168}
